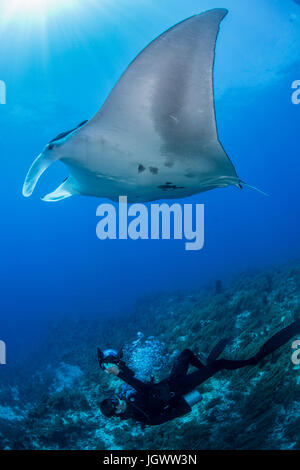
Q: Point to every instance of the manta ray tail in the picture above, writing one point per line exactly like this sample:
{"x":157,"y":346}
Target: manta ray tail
{"x":62,"y":192}
{"x":254,"y":188}
{"x":40,"y":164}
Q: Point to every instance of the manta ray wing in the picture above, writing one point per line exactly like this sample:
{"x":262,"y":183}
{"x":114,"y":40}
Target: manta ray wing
{"x":166,"y":94}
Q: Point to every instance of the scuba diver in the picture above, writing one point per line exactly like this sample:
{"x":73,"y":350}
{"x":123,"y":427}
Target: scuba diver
{"x":155,"y":403}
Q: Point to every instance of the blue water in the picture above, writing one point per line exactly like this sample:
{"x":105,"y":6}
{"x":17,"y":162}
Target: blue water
{"x":58,"y":70}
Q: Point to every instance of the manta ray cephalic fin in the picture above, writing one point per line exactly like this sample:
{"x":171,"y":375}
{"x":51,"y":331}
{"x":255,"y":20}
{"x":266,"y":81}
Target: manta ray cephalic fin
{"x":40,"y":164}
{"x":62,"y":192}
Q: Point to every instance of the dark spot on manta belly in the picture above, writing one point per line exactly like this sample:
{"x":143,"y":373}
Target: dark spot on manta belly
{"x":153,"y":170}
{"x":141,"y":168}
{"x":190,"y":174}
{"x":169,"y":164}
{"x":168,"y":185}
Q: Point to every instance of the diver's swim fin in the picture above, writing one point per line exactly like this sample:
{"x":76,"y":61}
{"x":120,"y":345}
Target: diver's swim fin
{"x":217,"y":350}
{"x":279,"y":339}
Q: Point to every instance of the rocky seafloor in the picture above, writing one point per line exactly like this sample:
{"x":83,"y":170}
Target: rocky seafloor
{"x":53,"y":403}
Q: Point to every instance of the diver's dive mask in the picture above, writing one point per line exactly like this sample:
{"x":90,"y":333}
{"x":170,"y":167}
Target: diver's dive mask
{"x":108,"y":358}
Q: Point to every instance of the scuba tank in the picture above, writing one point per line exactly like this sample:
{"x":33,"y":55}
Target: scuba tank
{"x":192,"y":397}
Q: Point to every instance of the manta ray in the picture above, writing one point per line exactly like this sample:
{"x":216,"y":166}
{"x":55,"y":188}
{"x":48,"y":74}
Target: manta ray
{"x":155,"y":137}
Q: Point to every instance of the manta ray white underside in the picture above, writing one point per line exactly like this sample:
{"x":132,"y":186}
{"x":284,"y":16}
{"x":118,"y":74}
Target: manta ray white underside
{"x":155,"y":137}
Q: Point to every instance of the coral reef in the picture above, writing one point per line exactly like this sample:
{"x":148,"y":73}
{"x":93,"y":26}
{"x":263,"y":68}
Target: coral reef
{"x":55,"y":404}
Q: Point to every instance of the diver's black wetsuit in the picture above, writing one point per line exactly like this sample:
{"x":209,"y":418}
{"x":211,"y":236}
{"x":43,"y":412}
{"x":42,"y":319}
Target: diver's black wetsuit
{"x":154,"y":404}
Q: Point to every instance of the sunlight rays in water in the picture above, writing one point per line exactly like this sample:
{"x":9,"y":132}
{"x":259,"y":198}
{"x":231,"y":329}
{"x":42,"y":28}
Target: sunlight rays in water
{"x":29,"y":9}
{"x":31,"y":28}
